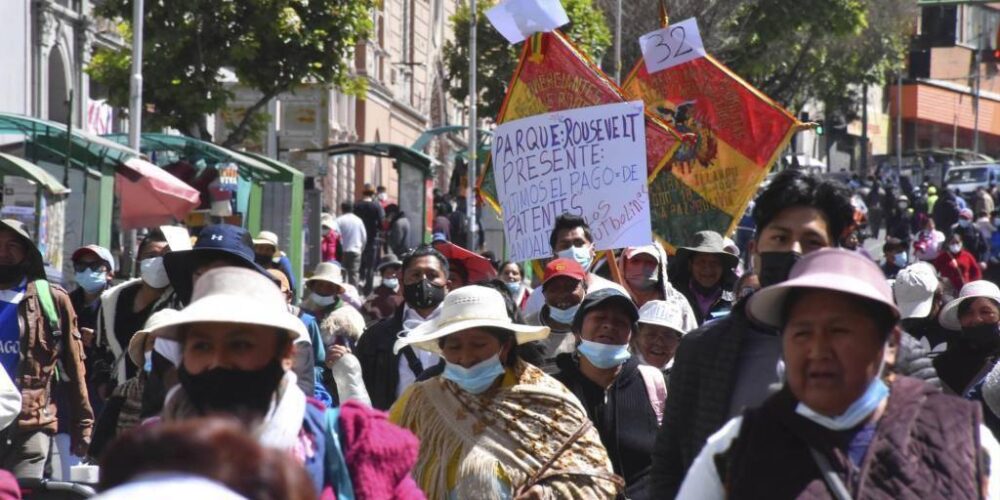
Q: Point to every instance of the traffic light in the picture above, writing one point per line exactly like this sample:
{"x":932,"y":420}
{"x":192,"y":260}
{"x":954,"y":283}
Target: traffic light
{"x":819,"y":129}
{"x":996,"y":46}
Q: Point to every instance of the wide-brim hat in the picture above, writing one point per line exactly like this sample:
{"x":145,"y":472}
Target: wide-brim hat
{"x":974,"y":290}
{"x":832,"y":269}
{"x":137,"y":344}
{"x":34,"y":264}
{"x":266,"y":238}
{"x":329,"y":272}
{"x":218,"y":241}
{"x":468,"y":307}
{"x":390,"y":260}
{"x":708,"y":242}
{"x":234,"y":295}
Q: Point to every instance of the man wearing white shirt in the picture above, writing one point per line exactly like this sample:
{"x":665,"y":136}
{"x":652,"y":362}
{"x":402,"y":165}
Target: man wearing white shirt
{"x":571,"y":239}
{"x":352,"y":241}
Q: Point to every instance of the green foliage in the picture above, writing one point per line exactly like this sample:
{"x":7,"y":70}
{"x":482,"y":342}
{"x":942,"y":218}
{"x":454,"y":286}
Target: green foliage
{"x":497,"y":59}
{"x":271,"y":46}
{"x":799,"y":50}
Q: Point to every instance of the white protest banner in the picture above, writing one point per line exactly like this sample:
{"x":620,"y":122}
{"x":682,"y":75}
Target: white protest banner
{"x":519,"y":19}
{"x":589,"y":162}
{"x":673,"y":45}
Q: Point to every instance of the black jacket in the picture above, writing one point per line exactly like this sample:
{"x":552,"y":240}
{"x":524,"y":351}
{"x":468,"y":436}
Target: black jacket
{"x":623,"y":417}
{"x":379,"y":366}
{"x":700,"y":390}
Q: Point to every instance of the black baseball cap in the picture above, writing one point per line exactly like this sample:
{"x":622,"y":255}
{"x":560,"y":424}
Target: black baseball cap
{"x":603,"y":298}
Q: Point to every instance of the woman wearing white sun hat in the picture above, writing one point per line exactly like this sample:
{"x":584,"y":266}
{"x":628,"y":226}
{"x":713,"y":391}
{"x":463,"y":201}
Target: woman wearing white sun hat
{"x":974,"y":348}
{"x":236,"y":339}
{"x":493,"y":426}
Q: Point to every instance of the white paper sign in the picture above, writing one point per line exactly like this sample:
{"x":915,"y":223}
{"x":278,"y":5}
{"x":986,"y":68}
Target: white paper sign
{"x":589,"y":162}
{"x":519,"y":19}
{"x":673,"y":45}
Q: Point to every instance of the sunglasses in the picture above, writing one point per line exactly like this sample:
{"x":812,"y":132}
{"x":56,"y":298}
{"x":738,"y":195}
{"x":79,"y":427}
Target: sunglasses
{"x":93,"y":266}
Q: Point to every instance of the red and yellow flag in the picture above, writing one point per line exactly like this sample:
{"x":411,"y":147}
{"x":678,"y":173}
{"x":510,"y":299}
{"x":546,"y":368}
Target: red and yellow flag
{"x":554,"y":75}
{"x":733,"y":135}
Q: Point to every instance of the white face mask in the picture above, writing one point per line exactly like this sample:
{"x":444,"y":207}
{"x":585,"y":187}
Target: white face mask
{"x":580,"y":254}
{"x":955,"y":248}
{"x":153,"y":273}
{"x":323,"y":300}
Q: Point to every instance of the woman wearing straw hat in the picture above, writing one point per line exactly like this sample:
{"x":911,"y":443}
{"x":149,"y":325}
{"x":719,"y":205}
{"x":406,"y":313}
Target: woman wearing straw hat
{"x":236,"y":340}
{"x":973,"y":318}
{"x":492,"y":426}
{"x":836,"y":429}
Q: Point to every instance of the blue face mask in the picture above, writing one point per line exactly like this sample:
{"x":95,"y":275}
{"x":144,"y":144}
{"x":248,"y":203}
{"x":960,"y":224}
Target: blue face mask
{"x":148,"y":365}
{"x":900,"y":260}
{"x":604,"y":355}
{"x":580,"y":254}
{"x":391,"y":282}
{"x":476,"y":378}
{"x":858,"y":411}
{"x":513,"y":287}
{"x":92,"y":281}
{"x":564,"y":316}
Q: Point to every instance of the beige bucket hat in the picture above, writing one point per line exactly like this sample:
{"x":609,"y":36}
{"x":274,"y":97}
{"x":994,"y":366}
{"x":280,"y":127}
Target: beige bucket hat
{"x":329,"y":272}
{"x":137,"y":345}
{"x":468,"y":307}
{"x":234,"y":295}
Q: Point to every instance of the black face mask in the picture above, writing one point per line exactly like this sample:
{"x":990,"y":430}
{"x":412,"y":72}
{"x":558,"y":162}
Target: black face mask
{"x":245,"y":394}
{"x":262,"y":260}
{"x":11,"y":272}
{"x":423,"y":294}
{"x":987,"y":335}
{"x":775,"y":267}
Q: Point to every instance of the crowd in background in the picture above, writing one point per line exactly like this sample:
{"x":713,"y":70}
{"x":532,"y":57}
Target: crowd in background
{"x":786,"y":362}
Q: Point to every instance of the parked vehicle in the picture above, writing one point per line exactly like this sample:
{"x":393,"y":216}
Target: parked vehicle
{"x":966,"y":178}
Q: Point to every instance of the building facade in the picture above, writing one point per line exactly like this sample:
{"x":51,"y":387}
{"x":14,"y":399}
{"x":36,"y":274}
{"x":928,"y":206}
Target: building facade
{"x":951,"y":90}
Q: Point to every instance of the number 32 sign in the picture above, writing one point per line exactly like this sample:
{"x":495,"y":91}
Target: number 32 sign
{"x":673,"y":45}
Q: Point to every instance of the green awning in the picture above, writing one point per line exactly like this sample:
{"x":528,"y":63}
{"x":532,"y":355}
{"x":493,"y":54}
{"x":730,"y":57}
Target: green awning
{"x":49,"y":138}
{"x":397,"y":152}
{"x":192,"y":150}
{"x":19,"y":167}
{"x":286,"y":172}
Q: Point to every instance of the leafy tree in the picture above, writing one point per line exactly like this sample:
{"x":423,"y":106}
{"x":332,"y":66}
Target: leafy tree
{"x":270,"y":45}
{"x":793,"y":51}
{"x":497,"y":59}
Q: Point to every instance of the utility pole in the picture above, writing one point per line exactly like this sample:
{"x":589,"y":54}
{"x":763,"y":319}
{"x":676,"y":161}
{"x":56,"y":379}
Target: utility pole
{"x":864,"y":131}
{"x":470,"y":197}
{"x":135,"y":90}
{"x":899,"y":123}
{"x":978,"y":61}
{"x":618,"y":43}
{"x":134,"y":119}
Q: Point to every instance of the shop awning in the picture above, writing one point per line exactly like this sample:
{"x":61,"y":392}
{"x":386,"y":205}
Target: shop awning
{"x":286,"y":172}
{"x":397,"y":152}
{"x":44,"y":137}
{"x":19,"y":167}
{"x":192,"y":150}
